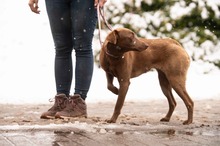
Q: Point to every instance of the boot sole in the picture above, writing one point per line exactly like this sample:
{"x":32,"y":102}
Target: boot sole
{"x":65,"y":117}
{"x":47,"y":117}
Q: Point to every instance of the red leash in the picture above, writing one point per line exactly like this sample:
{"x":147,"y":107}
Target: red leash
{"x":100,"y":12}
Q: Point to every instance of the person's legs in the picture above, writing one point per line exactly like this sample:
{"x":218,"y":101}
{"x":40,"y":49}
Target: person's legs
{"x":84,"y":18}
{"x":60,"y":23}
{"x":72,"y":24}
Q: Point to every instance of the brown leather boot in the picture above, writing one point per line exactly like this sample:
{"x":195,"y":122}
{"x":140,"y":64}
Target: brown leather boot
{"x":76,"y":107}
{"x":59,"y":104}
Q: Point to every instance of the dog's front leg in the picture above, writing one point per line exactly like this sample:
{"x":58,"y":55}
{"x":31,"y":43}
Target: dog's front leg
{"x":110,"y":85}
{"x":120,"y":101}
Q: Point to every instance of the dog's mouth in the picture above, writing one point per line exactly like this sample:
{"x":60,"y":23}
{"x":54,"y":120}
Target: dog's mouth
{"x":140,"y":45}
{"x":132,"y":44}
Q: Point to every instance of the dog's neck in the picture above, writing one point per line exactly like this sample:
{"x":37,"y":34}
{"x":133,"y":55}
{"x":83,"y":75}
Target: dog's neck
{"x":113,"y":56}
{"x":109,"y":51}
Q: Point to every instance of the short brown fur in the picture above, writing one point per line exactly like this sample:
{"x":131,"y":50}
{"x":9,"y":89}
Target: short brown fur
{"x":125,"y":56}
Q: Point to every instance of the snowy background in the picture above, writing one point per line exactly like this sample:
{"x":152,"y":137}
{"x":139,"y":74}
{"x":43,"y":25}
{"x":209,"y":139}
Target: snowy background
{"x":27,"y":62}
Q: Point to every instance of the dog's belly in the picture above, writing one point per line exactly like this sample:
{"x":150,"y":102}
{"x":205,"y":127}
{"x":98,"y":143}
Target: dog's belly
{"x":136,"y":72}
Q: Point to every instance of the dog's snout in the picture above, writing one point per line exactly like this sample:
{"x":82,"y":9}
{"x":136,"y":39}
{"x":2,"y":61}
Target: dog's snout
{"x":145,"y":45}
{"x":142,"y":46}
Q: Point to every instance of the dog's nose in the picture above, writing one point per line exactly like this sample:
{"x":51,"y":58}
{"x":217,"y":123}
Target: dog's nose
{"x":143,"y":46}
{"x":146,"y":45}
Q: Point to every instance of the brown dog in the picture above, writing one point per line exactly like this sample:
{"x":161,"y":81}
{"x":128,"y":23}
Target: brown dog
{"x":124,"y":56}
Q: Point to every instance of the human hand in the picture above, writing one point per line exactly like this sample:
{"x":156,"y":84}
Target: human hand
{"x":33,"y":4}
{"x":100,"y":2}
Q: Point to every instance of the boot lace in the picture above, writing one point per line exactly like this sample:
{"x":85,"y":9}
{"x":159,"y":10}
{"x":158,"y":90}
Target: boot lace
{"x":58,"y":103}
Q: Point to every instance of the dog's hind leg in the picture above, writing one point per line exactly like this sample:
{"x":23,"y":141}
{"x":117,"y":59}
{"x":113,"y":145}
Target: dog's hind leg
{"x":178,"y":84}
{"x":167,"y":91}
{"x":110,"y":85}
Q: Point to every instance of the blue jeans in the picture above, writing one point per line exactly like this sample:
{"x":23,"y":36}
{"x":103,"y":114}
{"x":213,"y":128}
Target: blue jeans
{"x":72,"y":25}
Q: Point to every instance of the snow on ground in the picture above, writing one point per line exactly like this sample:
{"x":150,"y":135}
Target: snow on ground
{"x":27,"y":56}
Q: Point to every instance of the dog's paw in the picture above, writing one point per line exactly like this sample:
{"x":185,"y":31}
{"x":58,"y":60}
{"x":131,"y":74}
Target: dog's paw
{"x":165,"y":119}
{"x":187,"y":122}
{"x":110,"y":121}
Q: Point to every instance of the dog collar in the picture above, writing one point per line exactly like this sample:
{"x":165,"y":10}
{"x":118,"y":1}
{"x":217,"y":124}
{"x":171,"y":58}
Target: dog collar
{"x":111,"y":55}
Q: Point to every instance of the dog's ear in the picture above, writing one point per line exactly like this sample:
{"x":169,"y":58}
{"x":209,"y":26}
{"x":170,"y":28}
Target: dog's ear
{"x":113,"y":37}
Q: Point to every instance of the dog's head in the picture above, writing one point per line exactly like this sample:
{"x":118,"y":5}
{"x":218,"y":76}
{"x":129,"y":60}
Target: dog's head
{"x":125,"y":40}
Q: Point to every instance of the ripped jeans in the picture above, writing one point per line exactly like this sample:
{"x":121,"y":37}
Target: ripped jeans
{"x":72,"y":25}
